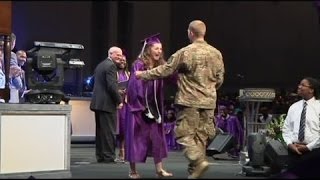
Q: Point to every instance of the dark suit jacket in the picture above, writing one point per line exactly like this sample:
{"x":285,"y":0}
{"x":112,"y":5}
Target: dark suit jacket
{"x":105,"y":95}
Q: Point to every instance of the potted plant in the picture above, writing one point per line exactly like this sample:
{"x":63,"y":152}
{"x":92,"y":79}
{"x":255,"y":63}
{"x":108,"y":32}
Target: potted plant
{"x":274,"y":128}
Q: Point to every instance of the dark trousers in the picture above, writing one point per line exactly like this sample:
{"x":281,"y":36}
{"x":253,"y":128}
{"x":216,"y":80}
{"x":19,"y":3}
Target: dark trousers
{"x":105,"y":135}
{"x":306,"y":165}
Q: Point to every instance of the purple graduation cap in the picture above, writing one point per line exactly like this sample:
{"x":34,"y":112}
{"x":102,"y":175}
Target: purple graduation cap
{"x":150,"y":40}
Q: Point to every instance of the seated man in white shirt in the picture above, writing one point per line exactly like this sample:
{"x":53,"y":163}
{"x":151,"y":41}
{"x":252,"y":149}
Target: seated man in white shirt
{"x":303,"y":146}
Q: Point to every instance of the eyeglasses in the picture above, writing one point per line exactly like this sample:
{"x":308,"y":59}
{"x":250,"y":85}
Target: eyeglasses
{"x":304,"y":85}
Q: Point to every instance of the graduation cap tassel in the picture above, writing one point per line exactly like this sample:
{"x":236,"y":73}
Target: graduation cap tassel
{"x":142,"y":50}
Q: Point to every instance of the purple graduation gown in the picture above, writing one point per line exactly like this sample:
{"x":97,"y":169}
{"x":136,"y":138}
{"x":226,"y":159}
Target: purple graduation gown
{"x":122,"y":77}
{"x":143,"y":139}
{"x":170,"y":136}
{"x":231,"y":125}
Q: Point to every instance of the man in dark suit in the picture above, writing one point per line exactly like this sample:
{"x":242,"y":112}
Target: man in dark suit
{"x":104,"y":103}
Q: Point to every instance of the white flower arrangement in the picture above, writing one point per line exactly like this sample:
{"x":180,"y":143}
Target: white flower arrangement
{"x":274,"y":128}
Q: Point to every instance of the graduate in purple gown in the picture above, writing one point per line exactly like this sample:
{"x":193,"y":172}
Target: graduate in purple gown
{"x":229,"y":123}
{"x":170,"y":137}
{"x":145,"y":135}
{"x":169,"y":125}
{"x":123,"y":78}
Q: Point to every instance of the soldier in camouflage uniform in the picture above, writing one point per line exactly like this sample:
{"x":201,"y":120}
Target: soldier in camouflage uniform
{"x":200,"y":70}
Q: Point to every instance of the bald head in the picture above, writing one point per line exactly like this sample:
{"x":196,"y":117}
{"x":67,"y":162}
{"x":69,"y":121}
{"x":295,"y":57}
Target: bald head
{"x":114,"y":49}
{"x":115,"y":53}
{"x":198,"y":28}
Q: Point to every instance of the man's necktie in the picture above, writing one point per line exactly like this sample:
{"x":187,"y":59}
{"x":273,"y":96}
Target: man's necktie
{"x":302,"y":122}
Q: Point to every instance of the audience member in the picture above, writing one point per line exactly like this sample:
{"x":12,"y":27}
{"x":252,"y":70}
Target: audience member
{"x":229,"y":123}
{"x":22,"y":58}
{"x":14,"y":74}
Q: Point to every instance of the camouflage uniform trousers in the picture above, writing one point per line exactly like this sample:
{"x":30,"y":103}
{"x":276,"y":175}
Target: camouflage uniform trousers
{"x":194,"y":128}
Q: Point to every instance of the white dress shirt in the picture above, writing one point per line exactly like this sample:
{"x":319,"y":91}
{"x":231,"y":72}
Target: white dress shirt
{"x":291,"y":125}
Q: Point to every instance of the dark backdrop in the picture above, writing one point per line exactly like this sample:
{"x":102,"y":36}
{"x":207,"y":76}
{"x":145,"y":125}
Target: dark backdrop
{"x":264,"y":43}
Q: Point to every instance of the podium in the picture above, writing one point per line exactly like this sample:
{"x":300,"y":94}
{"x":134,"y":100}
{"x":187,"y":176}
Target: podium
{"x":253,"y":97}
{"x":35,"y":141}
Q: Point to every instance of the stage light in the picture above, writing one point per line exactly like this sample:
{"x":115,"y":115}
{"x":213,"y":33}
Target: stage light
{"x":45,"y":70}
{"x":88,"y":84}
{"x":256,"y":149}
{"x":89,"y":81}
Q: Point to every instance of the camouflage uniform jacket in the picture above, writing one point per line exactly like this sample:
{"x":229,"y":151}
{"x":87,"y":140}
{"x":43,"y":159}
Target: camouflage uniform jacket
{"x":200,"y":70}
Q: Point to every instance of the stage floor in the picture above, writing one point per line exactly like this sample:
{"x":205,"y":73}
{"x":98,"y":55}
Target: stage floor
{"x":84,"y":165}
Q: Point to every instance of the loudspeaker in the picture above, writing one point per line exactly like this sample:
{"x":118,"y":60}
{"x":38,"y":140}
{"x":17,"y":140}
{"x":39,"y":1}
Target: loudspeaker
{"x":276,"y":154}
{"x":220,"y":143}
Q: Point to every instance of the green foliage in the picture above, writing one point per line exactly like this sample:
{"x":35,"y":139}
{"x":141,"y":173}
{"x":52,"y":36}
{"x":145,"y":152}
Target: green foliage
{"x":274,"y":128}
